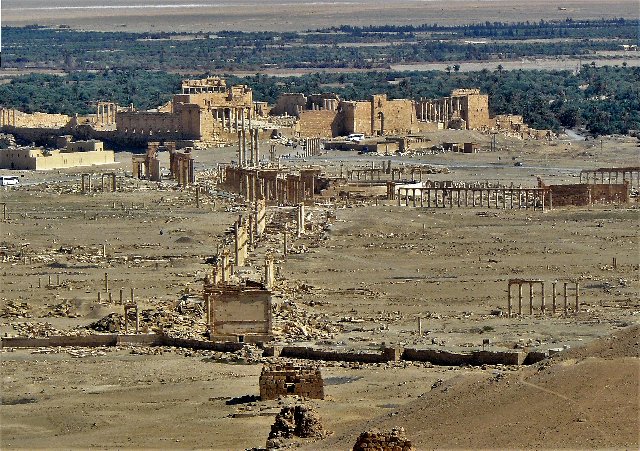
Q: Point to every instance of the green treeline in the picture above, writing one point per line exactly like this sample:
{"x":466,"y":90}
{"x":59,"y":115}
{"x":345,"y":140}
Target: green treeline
{"x":603,"y":100}
{"x":341,"y":47}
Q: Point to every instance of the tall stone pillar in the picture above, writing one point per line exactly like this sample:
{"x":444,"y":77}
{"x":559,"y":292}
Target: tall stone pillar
{"x":300,"y":220}
{"x":257,"y":147}
{"x":269,"y":276}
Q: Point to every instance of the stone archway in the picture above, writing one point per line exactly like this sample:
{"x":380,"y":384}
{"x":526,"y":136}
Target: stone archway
{"x":380,"y":118}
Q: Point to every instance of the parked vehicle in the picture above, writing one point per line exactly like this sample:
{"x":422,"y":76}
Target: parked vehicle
{"x":8,"y":180}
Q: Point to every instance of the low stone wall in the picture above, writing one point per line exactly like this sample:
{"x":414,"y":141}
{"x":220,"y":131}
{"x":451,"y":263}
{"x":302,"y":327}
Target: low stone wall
{"x":303,"y":352}
{"x":437,"y":357}
{"x":433,"y":356}
{"x":139,"y":340}
{"x":118,"y":340}
{"x":202,"y":344}
{"x":60,"y":340}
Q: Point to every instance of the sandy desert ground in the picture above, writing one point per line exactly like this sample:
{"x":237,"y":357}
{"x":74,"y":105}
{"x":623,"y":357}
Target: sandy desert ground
{"x":251,"y":15}
{"x":363,"y":282}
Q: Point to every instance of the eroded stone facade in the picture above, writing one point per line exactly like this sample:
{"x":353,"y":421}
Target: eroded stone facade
{"x":205,"y":110}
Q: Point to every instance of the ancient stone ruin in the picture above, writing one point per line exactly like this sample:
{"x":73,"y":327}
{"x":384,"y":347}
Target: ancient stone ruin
{"x":295,"y":421}
{"x":393,"y":440}
{"x":283,"y":380}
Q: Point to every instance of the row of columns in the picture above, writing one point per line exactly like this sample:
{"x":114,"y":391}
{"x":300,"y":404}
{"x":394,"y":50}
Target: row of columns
{"x":312,"y":146}
{"x":372,"y":173}
{"x":614,"y":175}
{"x":181,"y":165}
{"x":327,"y":104}
{"x":86,"y":182}
{"x":530,"y":284}
{"x":232,"y":119}
{"x":397,"y":173}
{"x":271,"y":184}
{"x":106,"y":114}
{"x":471,"y":197}
{"x":254,"y":148}
{"x":7,"y":117}
{"x":439,"y":110}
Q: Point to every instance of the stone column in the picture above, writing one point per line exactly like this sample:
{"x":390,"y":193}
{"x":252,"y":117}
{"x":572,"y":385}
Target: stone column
{"x":301,"y":218}
{"x":257,"y":147}
{"x":520,"y":298}
{"x":240,"y":149}
{"x":268,"y":272}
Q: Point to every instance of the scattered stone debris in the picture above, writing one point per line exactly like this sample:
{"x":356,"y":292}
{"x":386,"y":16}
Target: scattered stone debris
{"x":61,"y":310}
{"x":247,"y":355}
{"x":13,"y":309}
{"x":35,"y":330}
{"x":295,"y":421}
{"x":295,"y":322}
{"x":394,"y":440}
{"x":165,"y":318}
{"x":86,"y":352}
{"x":113,"y":322}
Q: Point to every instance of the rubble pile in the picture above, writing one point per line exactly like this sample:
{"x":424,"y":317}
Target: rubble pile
{"x":13,"y":309}
{"x":295,"y":421}
{"x":170,"y":322}
{"x":61,"y":310}
{"x":247,"y":355}
{"x":113,"y":322}
{"x":163,"y":319}
{"x":394,"y":440}
{"x":36,"y":330}
{"x":293,"y":322}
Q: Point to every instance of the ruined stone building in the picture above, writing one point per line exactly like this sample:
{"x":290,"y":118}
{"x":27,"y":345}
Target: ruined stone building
{"x":205,"y":110}
{"x":464,"y":109}
{"x":10,"y":117}
{"x":238,"y":312}
{"x":327,"y":116}
{"x":585,"y":194}
{"x":284,"y":380}
{"x":76,"y":154}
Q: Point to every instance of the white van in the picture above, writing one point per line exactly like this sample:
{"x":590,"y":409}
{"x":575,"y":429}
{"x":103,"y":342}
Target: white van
{"x":355,"y":137}
{"x":8,"y":180}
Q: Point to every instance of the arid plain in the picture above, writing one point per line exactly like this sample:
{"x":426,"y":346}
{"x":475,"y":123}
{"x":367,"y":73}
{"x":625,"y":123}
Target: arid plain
{"x":192,"y":16}
{"x":360,"y":283}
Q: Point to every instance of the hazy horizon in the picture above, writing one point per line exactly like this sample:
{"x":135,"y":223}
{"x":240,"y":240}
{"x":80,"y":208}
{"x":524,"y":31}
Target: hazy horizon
{"x":287,"y":15}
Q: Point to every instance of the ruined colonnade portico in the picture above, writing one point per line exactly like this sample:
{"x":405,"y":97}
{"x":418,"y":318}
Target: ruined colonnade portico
{"x":531,"y":283}
{"x":442,"y":197}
